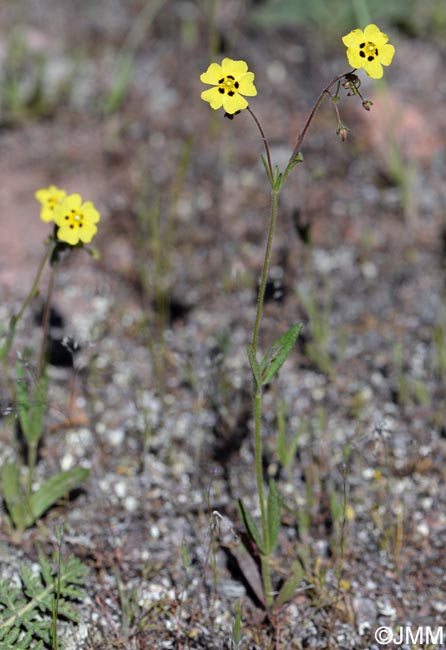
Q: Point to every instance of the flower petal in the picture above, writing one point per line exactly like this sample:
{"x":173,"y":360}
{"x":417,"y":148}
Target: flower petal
{"x":386,"y":53}
{"x":354,"y":38}
{"x":234,"y":103}
{"x":90,"y":213}
{"x":87,"y":233}
{"x":71,"y":202}
{"x":234,"y":68}
{"x":68,"y":235}
{"x":374,"y":69}
{"x":214,"y":97}
{"x":212,"y":75}
{"x":353,"y":57}
{"x":246,"y":85}
{"x":373,"y":34}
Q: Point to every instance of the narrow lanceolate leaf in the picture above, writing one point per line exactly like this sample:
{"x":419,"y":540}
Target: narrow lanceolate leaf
{"x":255,"y":367}
{"x":273,"y":513}
{"x":298,"y":158}
{"x":23,"y":398}
{"x":31,"y":411}
{"x":278,"y":353}
{"x":267,"y":169}
{"x":290,"y":585}
{"x":277,"y":181}
{"x":251,"y":527}
{"x":13,"y":496}
{"x":55,"y":488}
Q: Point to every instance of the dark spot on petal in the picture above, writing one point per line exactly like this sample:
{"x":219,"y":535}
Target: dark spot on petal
{"x":220,"y":81}
{"x":221,"y":90}
{"x":231,"y":93}
{"x":370,"y":58}
{"x":376,"y":52}
{"x":73,"y":211}
{"x":230,"y":77}
{"x":236,"y":85}
{"x":362,"y":54}
{"x":67,"y":216}
{"x":362,"y":45}
{"x":71,"y":226}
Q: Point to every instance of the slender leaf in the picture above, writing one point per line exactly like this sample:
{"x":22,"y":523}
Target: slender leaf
{"x":278,"y":353}
{"x":273,"y":513}
{"x":55,"y":488}
{"x":13,"y":496}
{"x":31,"y":411}
{"x":265,"y":164}
{"x":290,"y":585}
{"x":237,"y":634}
{"x":251,"y":527}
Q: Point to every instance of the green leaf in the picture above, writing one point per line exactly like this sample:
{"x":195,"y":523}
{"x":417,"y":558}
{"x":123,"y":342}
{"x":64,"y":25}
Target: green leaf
{"x":277,"y":181}
{"x":31,"y":411}
{"x":23,"y":398}
{"x":265,"y":164}
{"x":273,"y":515}
{"x":13,"y":496}
{"x":277,"y":354}
{"x":290,"y":585}
{"x":255,"y":367}
{"x":237,"y":634}
{"x":250,"y":526}
{"x":298,"y":158}
{"x":55,"y":488}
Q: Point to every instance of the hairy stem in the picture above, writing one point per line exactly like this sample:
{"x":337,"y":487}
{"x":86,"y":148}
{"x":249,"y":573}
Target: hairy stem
{"x":311,"y":115}
{"x":265,"y":142}
{"x":4,"y":350}
{"x":266,"y":263}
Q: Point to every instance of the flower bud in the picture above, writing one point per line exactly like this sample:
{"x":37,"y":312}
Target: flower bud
{"x":342,"y":132}
{"x":367,"y":104}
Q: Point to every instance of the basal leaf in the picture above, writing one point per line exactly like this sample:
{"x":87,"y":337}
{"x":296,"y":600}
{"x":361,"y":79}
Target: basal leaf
{"x":55,"y":488}
{"x":13,"y":496}
{"x":290,"y":585}
{"x":251,"y":527}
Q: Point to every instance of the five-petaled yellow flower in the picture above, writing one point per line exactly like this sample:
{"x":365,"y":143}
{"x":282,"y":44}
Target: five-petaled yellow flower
{"x":369,"y":49}
{"x":231,"y":80}
{"x":49,"y":197}
{"x":76,"y":220}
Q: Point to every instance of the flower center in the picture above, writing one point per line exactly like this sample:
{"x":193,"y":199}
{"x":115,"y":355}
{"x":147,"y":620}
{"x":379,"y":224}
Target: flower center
{"x":368,"y":51}
{"x":228,"y":85}
{"x":75,"y":219}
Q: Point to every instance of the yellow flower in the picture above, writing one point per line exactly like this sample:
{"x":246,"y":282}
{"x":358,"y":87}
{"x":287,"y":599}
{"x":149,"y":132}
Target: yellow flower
{"x":76,"y":220}
{"x":49,"y":197}
{"x":231,"y":80}
{"x":369,"y":49}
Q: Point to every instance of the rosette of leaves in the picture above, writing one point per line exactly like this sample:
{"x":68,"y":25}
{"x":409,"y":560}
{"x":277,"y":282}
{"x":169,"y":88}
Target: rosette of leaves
{"x":30,"y":608}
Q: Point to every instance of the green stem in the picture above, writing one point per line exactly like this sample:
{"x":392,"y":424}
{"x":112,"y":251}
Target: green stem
{"x":310,"y":117}
{"x":266,"y":263}
{"x":4,"y":350}
{"x":265,"y":142}
{"x":45,"y":326}
{"x":266,"y":574}
{"x":34,"y":443}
